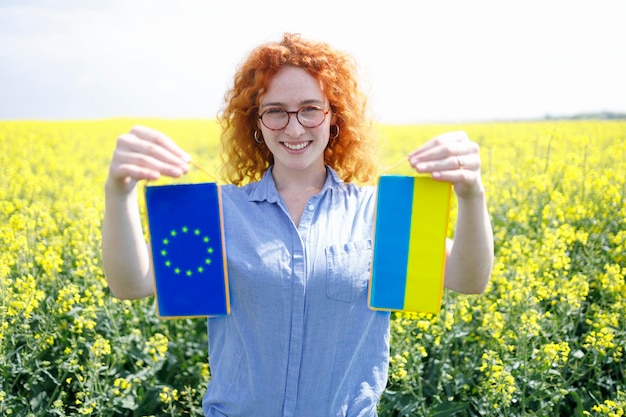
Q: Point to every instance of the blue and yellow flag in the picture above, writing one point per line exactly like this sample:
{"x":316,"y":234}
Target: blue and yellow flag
{"x":187,"y":248}
{"x":409,"y":244}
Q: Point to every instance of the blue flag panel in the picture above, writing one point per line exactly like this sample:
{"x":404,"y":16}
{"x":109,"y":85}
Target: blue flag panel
{"x":187,"y":248}
{"x":409,"y":244}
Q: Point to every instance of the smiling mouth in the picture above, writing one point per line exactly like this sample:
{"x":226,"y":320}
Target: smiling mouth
{"x":296,"y":146}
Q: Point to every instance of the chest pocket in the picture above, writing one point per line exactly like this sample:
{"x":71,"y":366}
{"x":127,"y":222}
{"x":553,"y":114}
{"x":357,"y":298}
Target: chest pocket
{"x":348,"y":270}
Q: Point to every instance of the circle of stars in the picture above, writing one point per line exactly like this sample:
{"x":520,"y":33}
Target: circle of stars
{"x":169,"y":241}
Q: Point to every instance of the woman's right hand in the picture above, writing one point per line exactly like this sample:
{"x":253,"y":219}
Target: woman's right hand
{"x":144,"y":154}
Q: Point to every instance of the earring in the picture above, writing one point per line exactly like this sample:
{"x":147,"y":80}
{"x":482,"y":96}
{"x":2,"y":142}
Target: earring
{"x":256,"y":137}
{"x":336,"y":135}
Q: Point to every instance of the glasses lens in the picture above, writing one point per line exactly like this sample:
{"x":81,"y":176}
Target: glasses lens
{"x":275,"y":119}
{"x":311,"y":116}
{"x":308,"y":116}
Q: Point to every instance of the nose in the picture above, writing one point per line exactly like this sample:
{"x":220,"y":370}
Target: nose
{"x":294,"y":128}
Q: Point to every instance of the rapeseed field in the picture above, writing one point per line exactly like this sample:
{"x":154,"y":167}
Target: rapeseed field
{"x":547,"y":338}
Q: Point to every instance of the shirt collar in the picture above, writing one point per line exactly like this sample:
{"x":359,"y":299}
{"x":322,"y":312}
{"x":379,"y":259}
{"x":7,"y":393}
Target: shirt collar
{"x":265,"y":189}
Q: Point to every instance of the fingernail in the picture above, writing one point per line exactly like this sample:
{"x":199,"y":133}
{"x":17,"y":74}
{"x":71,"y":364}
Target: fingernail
{"x":177,"y":172}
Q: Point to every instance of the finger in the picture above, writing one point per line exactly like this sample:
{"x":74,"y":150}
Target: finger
{"x":140,"y":158}
{"x":449,"y":164}
{"x":162,"y":144}
{"x":466,"y":183}
{"x":465,"y":162}
{"x":448,"y":154}
{"x":141,"y":165}
{"x":123,"y":176}
{"x":441,"y":146}
{"x":457,"y":176}
{"x":151,"y":142}
{"x":127,"y":173}
{"x":130,"y":148}
{"x":469,"y":161}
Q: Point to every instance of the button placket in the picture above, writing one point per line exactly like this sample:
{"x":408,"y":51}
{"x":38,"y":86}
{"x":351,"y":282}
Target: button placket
{"x":300,"y":271}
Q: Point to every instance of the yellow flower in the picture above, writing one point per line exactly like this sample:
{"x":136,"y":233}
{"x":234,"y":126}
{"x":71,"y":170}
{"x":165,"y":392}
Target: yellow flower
{"x":68,"y":297}
{"x":601,"y":341}
{"x":498,"y":383}
{"x":156,"y":346}
{"x":100,"y":347}
{"x":168,"y":395}
{"x":397,"y":366}
{"x":555,"y":354}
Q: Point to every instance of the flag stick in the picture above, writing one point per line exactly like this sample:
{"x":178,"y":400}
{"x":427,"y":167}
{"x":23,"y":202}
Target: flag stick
{"x":395,"y":165}
{"x":195,"y":164}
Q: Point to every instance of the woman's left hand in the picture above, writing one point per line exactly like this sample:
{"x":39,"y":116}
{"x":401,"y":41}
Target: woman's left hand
{"x":451,"y":157}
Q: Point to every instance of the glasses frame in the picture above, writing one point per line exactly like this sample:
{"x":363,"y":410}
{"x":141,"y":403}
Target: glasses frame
{"x":296,"y":112}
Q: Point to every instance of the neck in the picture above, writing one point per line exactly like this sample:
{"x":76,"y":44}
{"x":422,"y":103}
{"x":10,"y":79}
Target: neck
{"x":287,"y":180}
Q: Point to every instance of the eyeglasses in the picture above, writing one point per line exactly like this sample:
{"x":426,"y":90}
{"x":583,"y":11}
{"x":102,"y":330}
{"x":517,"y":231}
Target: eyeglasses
{"x":278,"y":119}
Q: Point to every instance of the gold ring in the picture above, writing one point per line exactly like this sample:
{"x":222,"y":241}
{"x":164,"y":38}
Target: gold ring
{"x":459,"y":159}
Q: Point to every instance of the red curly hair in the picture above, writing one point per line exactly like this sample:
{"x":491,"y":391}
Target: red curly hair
{"x":351,"y":154}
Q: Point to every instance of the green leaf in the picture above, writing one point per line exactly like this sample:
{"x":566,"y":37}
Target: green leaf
{"x":448,"y":409}
{"x":38,"y":400}
{"x":130,"y":402}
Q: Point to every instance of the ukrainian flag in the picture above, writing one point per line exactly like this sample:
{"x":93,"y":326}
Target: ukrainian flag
{"x":187,"y":250}
{"x":409,"y":244}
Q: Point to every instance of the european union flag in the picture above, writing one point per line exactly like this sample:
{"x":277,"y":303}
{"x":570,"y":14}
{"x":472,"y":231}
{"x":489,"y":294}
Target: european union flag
{"x":409,"y":244}
{"x":187,"y":247}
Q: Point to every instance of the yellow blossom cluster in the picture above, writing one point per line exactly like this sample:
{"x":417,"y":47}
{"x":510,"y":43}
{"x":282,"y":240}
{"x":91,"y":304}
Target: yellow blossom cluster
{"x":65,"y":343}
{"x":610,"y":408}
{"x":554,"y":354}
{"x":397,"y":365}
{"x":548,"y":332}
{"x":156,"y":346}
{"x":557,"y":293}
{"x":168,"y":395}
{"x":499,"y":384}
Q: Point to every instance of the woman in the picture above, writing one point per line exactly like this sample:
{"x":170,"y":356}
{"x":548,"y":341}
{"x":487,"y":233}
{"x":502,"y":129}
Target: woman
{"x":300,"y":339}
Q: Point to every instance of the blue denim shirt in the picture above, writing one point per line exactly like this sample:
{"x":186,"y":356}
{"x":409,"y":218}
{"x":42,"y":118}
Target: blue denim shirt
{"x":300,"y":339}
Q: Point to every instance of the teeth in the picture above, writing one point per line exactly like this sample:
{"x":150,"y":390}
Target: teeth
{"x":297,"y":146}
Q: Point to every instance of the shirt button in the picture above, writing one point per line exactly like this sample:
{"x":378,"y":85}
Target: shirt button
{"x":311,"y":207}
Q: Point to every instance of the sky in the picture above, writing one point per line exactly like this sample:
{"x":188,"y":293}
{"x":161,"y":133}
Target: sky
{"x":420,"y":61}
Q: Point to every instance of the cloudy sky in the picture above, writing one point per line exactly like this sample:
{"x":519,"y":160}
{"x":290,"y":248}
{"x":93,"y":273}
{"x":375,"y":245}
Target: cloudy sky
{"x":422,"y":60}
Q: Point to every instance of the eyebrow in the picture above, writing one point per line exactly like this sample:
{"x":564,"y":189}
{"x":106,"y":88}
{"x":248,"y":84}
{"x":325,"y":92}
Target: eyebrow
{"x":319,"y":102}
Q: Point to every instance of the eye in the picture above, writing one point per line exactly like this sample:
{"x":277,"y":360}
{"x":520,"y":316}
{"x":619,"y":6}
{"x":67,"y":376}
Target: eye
{"x":274,"y":111}
{"x":309,"y":109}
